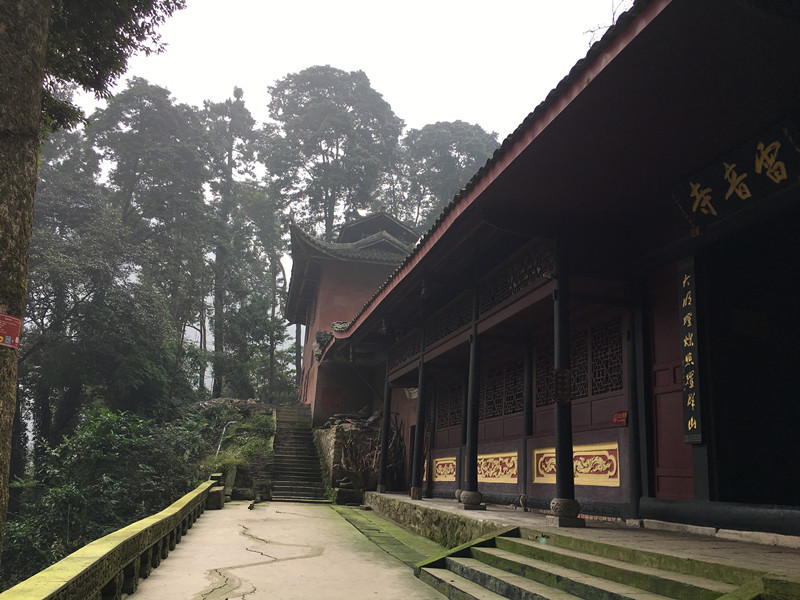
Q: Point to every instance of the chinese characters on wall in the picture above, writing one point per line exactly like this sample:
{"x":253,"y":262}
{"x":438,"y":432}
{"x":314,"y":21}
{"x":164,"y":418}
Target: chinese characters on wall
{"x":753,"y":172}
{"x":687,"y":313}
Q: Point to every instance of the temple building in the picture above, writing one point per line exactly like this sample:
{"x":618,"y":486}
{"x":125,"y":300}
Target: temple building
{"x":329,"y":281}
{"x":605,"y":318}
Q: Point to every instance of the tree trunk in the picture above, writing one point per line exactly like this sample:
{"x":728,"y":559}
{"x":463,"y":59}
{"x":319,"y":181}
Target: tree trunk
{"x":19,"y":454}
{"x":201,"y":384}
{"x":220,"y":275}
{"x":217,"y":366}
{"x":273,"y":271}
{"x":24,"y":29}
{"x":42,"y":421}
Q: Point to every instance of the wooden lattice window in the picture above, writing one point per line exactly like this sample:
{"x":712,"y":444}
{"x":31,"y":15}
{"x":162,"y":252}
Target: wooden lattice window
{"x":455,"y":414}
{"x":513,"y":389}
{"x":501,"y":391}
{"x":448,"y":407}
{"x":518,"y":274}
{"x":405,"y":350}
{"x":491,"y":399}
{"x":450,"y":318}
{"x":545,"y":378}
{"x":579,"y":365}
{"x":607,"y":357}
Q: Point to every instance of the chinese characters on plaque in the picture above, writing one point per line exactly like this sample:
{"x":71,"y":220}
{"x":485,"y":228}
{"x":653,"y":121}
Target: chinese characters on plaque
{"x":687,"y":313}
{"x":753,"y":172}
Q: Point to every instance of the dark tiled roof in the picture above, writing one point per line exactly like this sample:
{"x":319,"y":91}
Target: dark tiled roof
{"x":363,"y":250}
{"x":378,"y":221}
{"x":624,"y":20}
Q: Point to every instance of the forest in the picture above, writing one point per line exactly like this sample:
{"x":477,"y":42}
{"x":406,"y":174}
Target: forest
{"x":157,"y":275}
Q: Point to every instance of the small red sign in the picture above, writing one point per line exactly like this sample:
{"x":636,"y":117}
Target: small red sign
{"x":620,"y":417}
{"x":10,"y":328}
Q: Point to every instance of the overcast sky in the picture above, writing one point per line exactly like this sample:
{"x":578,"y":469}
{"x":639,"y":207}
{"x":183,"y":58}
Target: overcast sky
{"x":482,"y":62}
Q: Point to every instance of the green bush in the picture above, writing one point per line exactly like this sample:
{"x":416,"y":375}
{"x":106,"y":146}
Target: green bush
{"x":116,"y":469}
{"x":245,"y":440}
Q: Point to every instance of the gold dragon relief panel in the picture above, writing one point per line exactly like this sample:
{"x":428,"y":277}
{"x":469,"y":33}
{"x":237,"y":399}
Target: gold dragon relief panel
{"x":500,"y":467}
{"x":594,"y":464}
{"x":444,"y":469}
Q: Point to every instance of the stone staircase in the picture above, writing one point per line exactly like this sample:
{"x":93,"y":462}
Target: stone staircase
{"x":561,"y":568}
{"x":296,"y":475}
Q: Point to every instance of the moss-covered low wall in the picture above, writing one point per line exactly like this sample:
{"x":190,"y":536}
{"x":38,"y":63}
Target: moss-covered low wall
{"x":442,"y":527}
{"x":113,"y":565}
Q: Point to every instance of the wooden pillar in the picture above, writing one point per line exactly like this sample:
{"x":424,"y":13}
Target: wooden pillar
{"x":419,"y":433}
{"x":564,"y":507}
{"x":431,"y":439}
{"x":527,"y":413}
{"x":385,"y":431}
{"x":470,"y":496}
{"x":463,"y":437}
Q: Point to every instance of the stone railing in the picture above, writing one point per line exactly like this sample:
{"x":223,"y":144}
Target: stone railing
{"x":108,"y":567}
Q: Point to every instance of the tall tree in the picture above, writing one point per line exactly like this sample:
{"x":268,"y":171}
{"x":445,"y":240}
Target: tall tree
{"x":333,"y":138}
{"x":156,"y":152}
{"x":95,"y":328}
{"x":69,"y":40}
{"x":231,"y":136}
{"x":437,"y":161}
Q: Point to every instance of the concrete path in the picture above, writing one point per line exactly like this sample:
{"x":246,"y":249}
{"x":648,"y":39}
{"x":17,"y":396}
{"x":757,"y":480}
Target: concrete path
{"x":284,"y":550}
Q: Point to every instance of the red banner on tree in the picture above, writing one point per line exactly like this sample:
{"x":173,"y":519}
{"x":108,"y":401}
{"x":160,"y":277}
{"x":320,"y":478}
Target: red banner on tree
{"x":10,"y":328}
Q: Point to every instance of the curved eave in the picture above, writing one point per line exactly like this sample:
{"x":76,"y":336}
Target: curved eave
{"x":308,"y":252}
{"x":582,"y":74}
{"x":671,"y":87}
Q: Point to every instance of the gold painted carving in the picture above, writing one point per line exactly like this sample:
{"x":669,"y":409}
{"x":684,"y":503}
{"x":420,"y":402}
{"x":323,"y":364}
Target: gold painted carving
{"x":497,"y":468}
{"x":444,"y":469}
{"x":593,"y":464}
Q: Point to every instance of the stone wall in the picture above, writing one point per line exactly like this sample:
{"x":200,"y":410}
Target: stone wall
{"x":329,"y":454}
{"x":442,"y":527}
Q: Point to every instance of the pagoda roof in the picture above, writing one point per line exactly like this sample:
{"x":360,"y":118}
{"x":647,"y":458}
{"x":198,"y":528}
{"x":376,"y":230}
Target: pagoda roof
{"x":309,"y":253}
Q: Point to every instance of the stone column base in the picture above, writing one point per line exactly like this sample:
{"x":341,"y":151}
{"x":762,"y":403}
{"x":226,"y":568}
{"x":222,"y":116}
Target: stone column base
{"x":416,"y":493}
{"x":380,"y":488}
{"x":565,"y":513}
{"x":472,"y":500}
{"x":553,"y":521}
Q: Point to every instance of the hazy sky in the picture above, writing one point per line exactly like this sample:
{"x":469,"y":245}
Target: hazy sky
{"x":482,"y":62}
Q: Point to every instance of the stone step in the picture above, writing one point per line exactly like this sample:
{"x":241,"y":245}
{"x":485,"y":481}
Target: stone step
{"x":310,"y":470}
{"x":283,"y":488}
{"x":302,"y":489}
{"x":287,"y":445}
{"x":668,"y":583}
{"x":290,"y":475}
{"x":552,"y":576}
{"x":303,"y":499}
{"x":288,"y":453}
{"x":304,"y":461}
{"x":451,"y":585}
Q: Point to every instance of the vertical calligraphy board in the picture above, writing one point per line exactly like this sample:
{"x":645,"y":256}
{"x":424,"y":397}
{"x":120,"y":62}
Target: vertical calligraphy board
{"x":687,"y":304}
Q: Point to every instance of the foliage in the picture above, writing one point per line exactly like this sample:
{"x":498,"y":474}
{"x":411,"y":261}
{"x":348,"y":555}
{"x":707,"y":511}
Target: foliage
{"x":151,"y":224}
{"x":44,"y":45}
{"x":248,"y":438}
{"x":437,"y":161}
{"x":89,"y":44}
{"x":333,"y":138}
{"x":156,"y":152}
{"x":117,"y":468}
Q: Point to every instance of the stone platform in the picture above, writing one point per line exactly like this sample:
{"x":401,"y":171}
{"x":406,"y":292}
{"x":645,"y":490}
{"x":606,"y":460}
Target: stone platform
{"x":447,"y":523}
